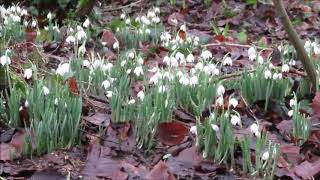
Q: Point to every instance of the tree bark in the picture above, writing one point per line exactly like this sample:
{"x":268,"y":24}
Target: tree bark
{"x":297,"y":43}
{"x":85,"y":7}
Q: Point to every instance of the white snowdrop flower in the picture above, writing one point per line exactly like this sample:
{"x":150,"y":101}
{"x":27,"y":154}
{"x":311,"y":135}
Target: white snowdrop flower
{"x":216,"y":72}
{"x":233,"y":102}
{"x":151,"y":14}
{"x":279,"y":76}
{"x":147,"y":31}
{"x":81,"y":35}
{"x":206,"y":55}
{"x":137,"y":19}
{"x":292,"y":62}
{"x":199,"y":66}
{"x":227,"y":61}
{"x":106,"y":84}
{"x":190,"y":58}
{"x":285,"y":68}
{"x":215,"y":127}
{"x":275,"y":76}
{"x":71,"y":30}
{"x":156,"y":20}
{"x":116,"y":45}
{"x":140,"y":95}
{"x":70,"y":39}
{"x":20,"y":108}
{"x":16,"y":18}
{"x":290,"y":113}
{"x":25,"y":23}
{"x":63,"y":69}
{"x":267,"y":74}
{"x":27,"y":74}
{"x":154,"y":79}
{"x":96,"y":64}
{"x":308,"y":46}
{"x":260,"y":60}
{"x":316,"y":49}
{"x":82,"y":50}
{"x":104,"y":43}
{"x":131,"y":101}
{"x":140,"y":61}
{"x":5,"y":60}
{"x":49,"y":16}
{"x":138,"y":71}
{"x":292,"y":102}
{"x":193,"y":81}
{"x":254,"y":128}
{"x":124,"y":62}
{"x":220,"y":90}
{"x":184,"y":80}
{"x":131,"y":55}
{"x":180,"y":57}
{"x":156,"y":10}
{"x":173,"y":62}
{"x":86,"y":23}
{"x":235,"y":120}
{"x":193,"y":130}
{"x":128,"y":21}
{"x":107,"y":67}
{"x":56,"y":101}
{"x":145,"y":20}
{"x":123,"y":16}
{"x":252,"y":53}
{"x":193,"y":71}
{"x":219,"y":101}
{"x":166,"y":60}
{"x":183,"y":28}
{"x":206,"y":70}
{"x":265,"y":156}
{"x":162,"y":89}
{"x":79,"y":28}
{"x":24,"y":12}
{"x":128,"y":71}
{"x":46,"y":90}
{"x":271,"y":66}
{"x":109,"y":94}
{"x":174,"y":21}
{"x":154,"y":69}
{"x":34,"y":23}
{"x":86,"y":63}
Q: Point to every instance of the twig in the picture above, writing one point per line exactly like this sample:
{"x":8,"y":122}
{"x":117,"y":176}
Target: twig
{"x":248,"y":109}
{"x":236,"y":74}
{"x":235,"y":45}
{"x":122,"y":7}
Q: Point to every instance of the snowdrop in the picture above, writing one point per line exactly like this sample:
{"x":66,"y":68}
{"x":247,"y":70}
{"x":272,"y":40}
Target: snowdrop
{"x":233,"y":102}
{"x":147,"y":31}
{"x":184,"y":80}
{"x":46,"y":90}
{"x":260,"y":59}
{"x":123,"y":16}
{"x":206,"y":55}
{"x":145,"y":20}
{"x":156,"y":10}
{"x":220,"y":90}
{"x":151,"y":14}
{"x":199,"y":66}
{"x":49,"y":16}
{"x":290,"y":113}
{"x":183,"y":28}
{"x":219,"y":101}
{"x":193,"y":81}
{"x":252,"y":53}
{"x":265,"y":156}
{"x":5,"y":60}
{"x":107,"y":67}
{"x":174,"y":21}
{"x":267,"y":74}
{"x":138,"y":71}
{"x":285,"y":68}
{"x":128,"y":71}
{"x":162,"y":89}
{"x":63,"y":69}
{"x":292,"y":63}
{"x":173,"y":62}
{"x":115,"y":45}
{"x":235,"y":120}
{"x":128,"y":21}
{"x":86,"y":63}
{"x":140,"y":61}
{"x":227,"y":61}
{"x":56,"y":101}
{"x":215,"y":127}
{"x":308,"y":46}
{"x":292,"y":102}
{"x":193,"y":130}
{"x":190,"y":58}
{"x":131,"y":55}
{"x":105,"y":84}
{"x":34,"y":23}
{"x":86,"y":23}
{"x":131,"y":101}
{"x":109,"y":94}
{"x":156,"y":20}
{"x":140,"y":95}
{"x":27,"y":74}
{"x":180,"y":57}
{"x":254,"y":128}
{"x":70,"y":39}
{"x":82,"y":50}
{"x":81,"y":35}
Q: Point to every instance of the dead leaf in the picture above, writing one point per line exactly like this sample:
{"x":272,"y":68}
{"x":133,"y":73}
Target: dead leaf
{"x":109,"y":38}
{"x":73,"y":86}
{"x":172,"y":133}
{"x":315,"y":105}
{"x":308,"y":170}
{"x":99,"y":119}
{"x":160,"y":172}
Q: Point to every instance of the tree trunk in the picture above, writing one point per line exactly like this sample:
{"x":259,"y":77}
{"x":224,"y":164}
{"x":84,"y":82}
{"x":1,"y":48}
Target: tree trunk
{"x":85,"y":7}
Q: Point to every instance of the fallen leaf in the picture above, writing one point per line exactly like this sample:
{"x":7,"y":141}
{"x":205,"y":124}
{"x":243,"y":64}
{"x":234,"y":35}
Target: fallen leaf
{"x":172,"y":133}
{"x":315,"y":105}
{"x":99,"y":119}
{"x":109,"y":38}
{"x":73,"y":86}
{"x":160,"y":172}
{"x":308,"y":170}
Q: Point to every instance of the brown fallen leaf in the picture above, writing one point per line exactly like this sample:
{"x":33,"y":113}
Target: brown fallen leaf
{"x":160,"y":172}
{"x":172,"y":133}
{"x":315,"y":105}
{"x":12,"y":150}
{"x":99,"y":119}
{"x":308,"y":170}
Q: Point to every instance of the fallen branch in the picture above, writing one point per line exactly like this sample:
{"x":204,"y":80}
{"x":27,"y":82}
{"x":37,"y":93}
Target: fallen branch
{"x":235,"y":45}
{"x":122,"y":7}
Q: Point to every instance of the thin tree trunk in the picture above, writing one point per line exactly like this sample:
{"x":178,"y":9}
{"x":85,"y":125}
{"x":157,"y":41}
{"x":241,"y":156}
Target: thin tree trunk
{"x":85,"y":7}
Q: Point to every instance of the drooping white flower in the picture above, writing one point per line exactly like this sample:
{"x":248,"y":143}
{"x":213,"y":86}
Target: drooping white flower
{"x":131,"y":55}
{"x":49,"y":15}
{"x":227,"y":61}
{"x":265,"y":156}
{"x":173,"y":62}
{"x":155,"y":78}
{"x":5,"y":60}
{"x":56,"y":101}
{"x":27,"y":74}
{"x":128,"y":21}
{"x":70,"y":39}
{"x":147,"y":31}
{"x":156,"y":10}
{"x":86,"y":63}
{"x":184,"y":80}
{"x":174,"y":21}
{"x":145,"y":20}
{"x":86,"y":23}
{"x":180,"y":57}
{"x":140,"y":61}
{"x":46,"y":90}
{"x":290,"y":113}
{"x":138,"y":71}
{"x":199,"y":66}
{"x":292,"y":62}
{"x":26,"y":103}
{"x":105,"y":84}
{"x":292,"y":102}
{"x":233,"y":102}
{"x":81,"y":35}
{"x":34,"y":23}
{"x":220,"y":90}
{"x":107,"y":67}
{"x":131,"y":101}
{"x":206,"y":55}
{"x":162,"y":89}
{"x":63,"y":69}
{"x":215,"y":127}
{"x":190,"y":58}
{"x":183,"y":28}
{"x":308,"y":46}
{"x":115,"y":45}
{"x":254,"y":128}
{"x":128,"y":71}
{"x":275,"y":76}
{"x":252,"y":53}
{"x":260,"y":60}
{"x":219,"y":101}
{"x":109,"y":94}
{"x":193,"y":81}
{"x":82,"y":50}
{"x":151,"y":14}
{"x":267,"y":74}
{"x":235,"y":120}
{"x":193,"y":130}
{"x":123,"y":16}
{"x":140,"y":95}
{"x":285,"y":68}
